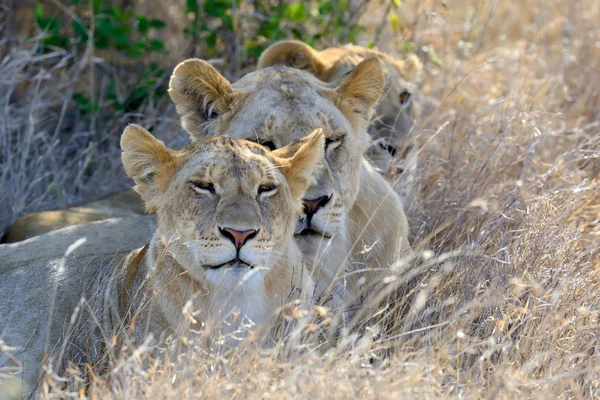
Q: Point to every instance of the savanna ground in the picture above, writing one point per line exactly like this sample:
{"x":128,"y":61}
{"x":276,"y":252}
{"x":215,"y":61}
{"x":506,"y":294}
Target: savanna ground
{"x":502,"y":299}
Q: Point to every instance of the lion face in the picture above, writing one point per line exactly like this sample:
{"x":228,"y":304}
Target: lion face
{"x":274,"y":107}
{"x":400,"y":103}
{"x":224,"y":207}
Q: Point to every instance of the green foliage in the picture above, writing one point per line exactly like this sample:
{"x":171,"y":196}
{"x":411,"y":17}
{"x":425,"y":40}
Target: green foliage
{"x":262,"y":22}
{"x":129,"y":34}
{"x":216,"y":28}
{"x":125,"y":32}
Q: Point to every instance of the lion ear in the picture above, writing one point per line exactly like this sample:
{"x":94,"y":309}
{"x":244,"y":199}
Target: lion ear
{"x":148,"y":162}
{"x":294,"y":54}
{"x":358,"y":92}
{"x":299,"y":160}
{"x":200,"y":94}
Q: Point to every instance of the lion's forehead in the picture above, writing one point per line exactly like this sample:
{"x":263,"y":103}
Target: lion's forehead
{"x":227,"y":160}
{"x":274,"y":76}
{"x":283,"y":114}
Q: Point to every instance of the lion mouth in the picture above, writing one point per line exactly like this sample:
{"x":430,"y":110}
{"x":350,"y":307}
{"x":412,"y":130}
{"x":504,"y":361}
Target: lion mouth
{"x":311,"y":232}
{"x":235,"y":263}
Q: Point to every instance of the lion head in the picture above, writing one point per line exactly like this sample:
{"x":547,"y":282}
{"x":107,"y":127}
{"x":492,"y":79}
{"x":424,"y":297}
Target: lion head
{"x":278,"y":105}
{"x":400,"y":103}
{"x":224,"y":207}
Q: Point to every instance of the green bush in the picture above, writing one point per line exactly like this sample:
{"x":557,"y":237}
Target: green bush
{"x":237,"y":31}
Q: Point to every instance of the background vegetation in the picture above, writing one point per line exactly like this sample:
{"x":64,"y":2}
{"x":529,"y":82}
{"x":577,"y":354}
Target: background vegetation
{"x":502,"y":300}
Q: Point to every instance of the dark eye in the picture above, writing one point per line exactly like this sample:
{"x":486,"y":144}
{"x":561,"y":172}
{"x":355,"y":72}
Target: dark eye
{"x":388,"y":147}
{"x":209,"y":114}
{"x":267,"y":189}
{"x":268,"y":144}
{"x":203,"y":187}
{"x":404,"y":97}
{"x":332,"y":143}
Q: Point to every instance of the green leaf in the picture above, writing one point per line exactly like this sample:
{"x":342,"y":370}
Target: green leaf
{"x":156,"y":45}
{"x":138,"y":49}
{"x":101,"y":42}
{"x":297,"y":33}
{"x":253,"y":47}
{"x":142,"y":24}
{"x":396,"y":3}
{"x":96,"y":4}
{"x":122,"y":41}
{"x":105,"y":28}
{"x":217,"y":8}
{"x":80,"y":30}
{"x":82,"y":102}
{"x":38,"y":14}
{"x":228,"y":23}
{"x":325,"y":8}
{"x":191,"y":6}
{"x":296,"y":12}
{"x":211,"y":40}
{"x":56,"y":41}
{"x":157,"y":23}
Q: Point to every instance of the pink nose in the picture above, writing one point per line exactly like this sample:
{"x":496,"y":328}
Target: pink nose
{"x":238,"y":238}
{"x":312,"y":206}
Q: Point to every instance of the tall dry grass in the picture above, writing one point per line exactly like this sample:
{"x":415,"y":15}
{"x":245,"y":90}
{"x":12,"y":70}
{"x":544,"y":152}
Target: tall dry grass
{"x":502,"y":297}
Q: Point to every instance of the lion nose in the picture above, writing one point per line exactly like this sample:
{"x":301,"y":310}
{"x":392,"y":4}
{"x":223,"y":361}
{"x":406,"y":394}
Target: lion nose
{"x":238,"y":238}
{"x":312,"y":206}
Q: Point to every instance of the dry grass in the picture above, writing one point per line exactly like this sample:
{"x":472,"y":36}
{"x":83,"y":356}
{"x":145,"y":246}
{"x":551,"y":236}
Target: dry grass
{"x":502,"y":299}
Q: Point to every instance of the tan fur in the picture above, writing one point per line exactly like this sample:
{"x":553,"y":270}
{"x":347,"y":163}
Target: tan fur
{"x":394,"y":119}
{"x":362,"y":209}
{"x":122,"y":204}
{"x":185,"y":266}
{"x":205,"y":90}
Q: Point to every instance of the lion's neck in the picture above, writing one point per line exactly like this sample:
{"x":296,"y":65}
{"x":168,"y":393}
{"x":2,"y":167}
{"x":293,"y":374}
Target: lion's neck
{"x":378,"y":229}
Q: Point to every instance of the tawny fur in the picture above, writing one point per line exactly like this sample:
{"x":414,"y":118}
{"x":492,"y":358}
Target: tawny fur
{"x":121,"y":204}
{"x":85,"y":296}
{"x":209,"y":91}
{"x":363,"y":210}
{"x":401,"y":103}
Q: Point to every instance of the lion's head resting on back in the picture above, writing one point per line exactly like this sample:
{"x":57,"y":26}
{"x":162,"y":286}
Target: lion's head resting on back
{"x":400,"y":104}
{"x":277,"y":106}
{"x":222,"y":204}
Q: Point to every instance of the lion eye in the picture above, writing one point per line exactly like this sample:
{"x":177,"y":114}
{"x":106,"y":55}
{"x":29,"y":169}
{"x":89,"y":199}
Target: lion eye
{"x":331,"y":144}
{"x":267,"y":189}
{"x":203,"y":187}
{"x":388,"y":147}
{"x":210,"y":114}
{"x":268,"y":144}
{"x":404,"y":97}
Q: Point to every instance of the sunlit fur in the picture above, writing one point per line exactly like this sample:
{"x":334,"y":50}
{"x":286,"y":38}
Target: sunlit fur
{"x":277,"y":105}
{"x":190,"y":220}
{"x":395,"y":114}
{"x":81,"y":298}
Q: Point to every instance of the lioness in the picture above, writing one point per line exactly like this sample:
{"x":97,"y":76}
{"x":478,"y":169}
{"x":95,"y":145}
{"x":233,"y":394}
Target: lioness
{"x":226,"y":213}
{"x":400,"y":104}
{"x":122,"y":204}
{"x":351,"y":208}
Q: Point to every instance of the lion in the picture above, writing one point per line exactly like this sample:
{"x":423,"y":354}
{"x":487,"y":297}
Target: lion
{"x":399,"y":107}
{"x":226,"y":211}
{"x":351,"y":213}
{"x":122,"y":204}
